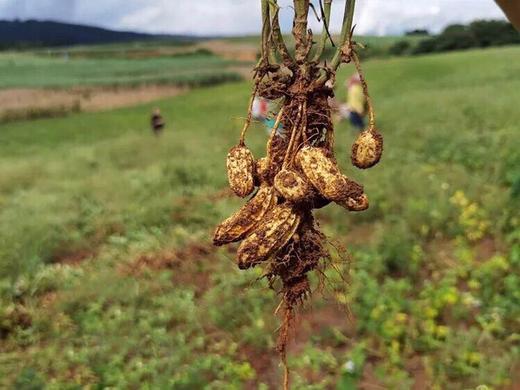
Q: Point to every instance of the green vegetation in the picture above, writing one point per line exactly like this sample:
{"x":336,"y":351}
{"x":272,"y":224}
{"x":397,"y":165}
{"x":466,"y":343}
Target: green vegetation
{"x":480,"y":33}
{"x":132,"y":50}
{"x":108,"y":277}
{"x":32,"y":113}
{"x":26,"y":70}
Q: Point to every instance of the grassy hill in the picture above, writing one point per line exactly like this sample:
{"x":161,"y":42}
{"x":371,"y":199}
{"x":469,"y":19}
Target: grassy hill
{"x":108,"y":277}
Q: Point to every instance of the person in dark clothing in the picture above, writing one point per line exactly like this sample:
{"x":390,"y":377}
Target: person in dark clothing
{"x":157,"y":122}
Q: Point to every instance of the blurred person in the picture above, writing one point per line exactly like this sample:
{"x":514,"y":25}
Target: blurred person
{"x":270,"y":121}
{"x":512,"y":10}
{"x":355,"y":109}
{"x":260,"y":108}
{"x":157,"y":122}
{"x":264,"y":111}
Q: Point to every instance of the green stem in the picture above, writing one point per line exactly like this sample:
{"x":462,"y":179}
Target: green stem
{"x":301,"y":9}
{"x":348,"y":18}
{"x":327,"y":6}
{"x":267,"y":49}
{"x":274,"y":9}
{"x":371,"y":113}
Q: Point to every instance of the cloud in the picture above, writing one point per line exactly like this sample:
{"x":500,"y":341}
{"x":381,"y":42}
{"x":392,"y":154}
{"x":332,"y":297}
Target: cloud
{"x":232,"y":17}
{"x":201,"y":17}
{"x":42,"y":9}
{"x":391,"y":17}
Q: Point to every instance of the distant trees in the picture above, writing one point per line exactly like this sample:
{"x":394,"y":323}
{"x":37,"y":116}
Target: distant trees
{"x":400,"y":48}
{"x":481,"y":33}
{"x":417,"y":32}
{"x":494,"y":33}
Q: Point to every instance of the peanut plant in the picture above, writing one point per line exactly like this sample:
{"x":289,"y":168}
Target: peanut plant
{"x":299,"y":173}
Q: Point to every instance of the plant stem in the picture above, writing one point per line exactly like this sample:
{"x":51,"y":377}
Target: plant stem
{"x":301,"y":9}
{"x":268,"y":54}
{"x":274,"y":9}
{"x":294,"y":133}
{"x":327,"y":7}
{"x":249,"y":115}
{"x":348,"y":18}
{"x":371,"y":114}
{"x":274,"y":130}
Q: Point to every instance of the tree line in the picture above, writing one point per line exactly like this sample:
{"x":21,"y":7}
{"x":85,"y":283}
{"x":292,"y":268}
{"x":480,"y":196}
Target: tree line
{"x":478,"y":34}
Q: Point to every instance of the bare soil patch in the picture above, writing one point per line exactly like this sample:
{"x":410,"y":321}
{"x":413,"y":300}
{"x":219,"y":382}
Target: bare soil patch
{"x":231,"y":50}
{"x":75,"y":257}
{"x":190,"y":264}
{"x":20,"y":103}
{"x":106,"y":99}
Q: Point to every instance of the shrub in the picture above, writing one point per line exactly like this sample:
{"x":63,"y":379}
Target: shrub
{"x":481,"y":33}
{"x":399,"y":48}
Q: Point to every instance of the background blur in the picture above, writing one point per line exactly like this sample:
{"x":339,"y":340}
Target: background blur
{"x":108,"y":278}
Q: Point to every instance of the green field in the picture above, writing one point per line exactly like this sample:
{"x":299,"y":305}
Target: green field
{"x":108,"y":278}
{"x":31,"y":70}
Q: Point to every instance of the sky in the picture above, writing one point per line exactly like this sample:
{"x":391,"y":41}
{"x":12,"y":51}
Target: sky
{"x":237,"y":17}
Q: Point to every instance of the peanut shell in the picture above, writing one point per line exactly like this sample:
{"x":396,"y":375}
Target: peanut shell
{"x":240,"y":224}
{"x":240,"y":168}
{"x":275,"y":230}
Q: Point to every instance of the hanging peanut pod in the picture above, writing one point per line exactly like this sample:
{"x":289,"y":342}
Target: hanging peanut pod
{"x":240,"y":169}
{"x":367,"y":149}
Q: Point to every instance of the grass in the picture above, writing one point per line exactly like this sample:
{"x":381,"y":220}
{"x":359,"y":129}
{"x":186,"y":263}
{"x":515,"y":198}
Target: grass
{"x":108,"y":278}
{"x":32,"y":71}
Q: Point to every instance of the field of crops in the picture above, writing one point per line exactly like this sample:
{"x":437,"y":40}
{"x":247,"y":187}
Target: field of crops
{"x":40,"y":70}
{"x":108,"y":277}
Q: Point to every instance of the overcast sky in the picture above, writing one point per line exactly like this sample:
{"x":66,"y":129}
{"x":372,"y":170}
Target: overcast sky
{"x":232,"y":17}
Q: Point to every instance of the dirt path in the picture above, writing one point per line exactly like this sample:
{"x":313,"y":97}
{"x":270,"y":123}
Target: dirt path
{"x":17,"y":102}
{"x":236,"y":51}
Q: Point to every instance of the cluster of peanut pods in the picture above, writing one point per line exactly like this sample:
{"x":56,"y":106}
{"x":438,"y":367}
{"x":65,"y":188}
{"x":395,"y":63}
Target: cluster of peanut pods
{"x":283,"y":194}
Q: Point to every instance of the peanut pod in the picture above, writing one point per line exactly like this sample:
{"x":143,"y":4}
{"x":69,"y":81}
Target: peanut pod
{"x":323,"y":173}
{"x":240,"y":224}
{"x":359,"y":203}
{"x":275,"y":230}
{"x":293,"y":187}
{"x":240,"y":168}
{"x":261,"y":170}
{"x":367,"y":149}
